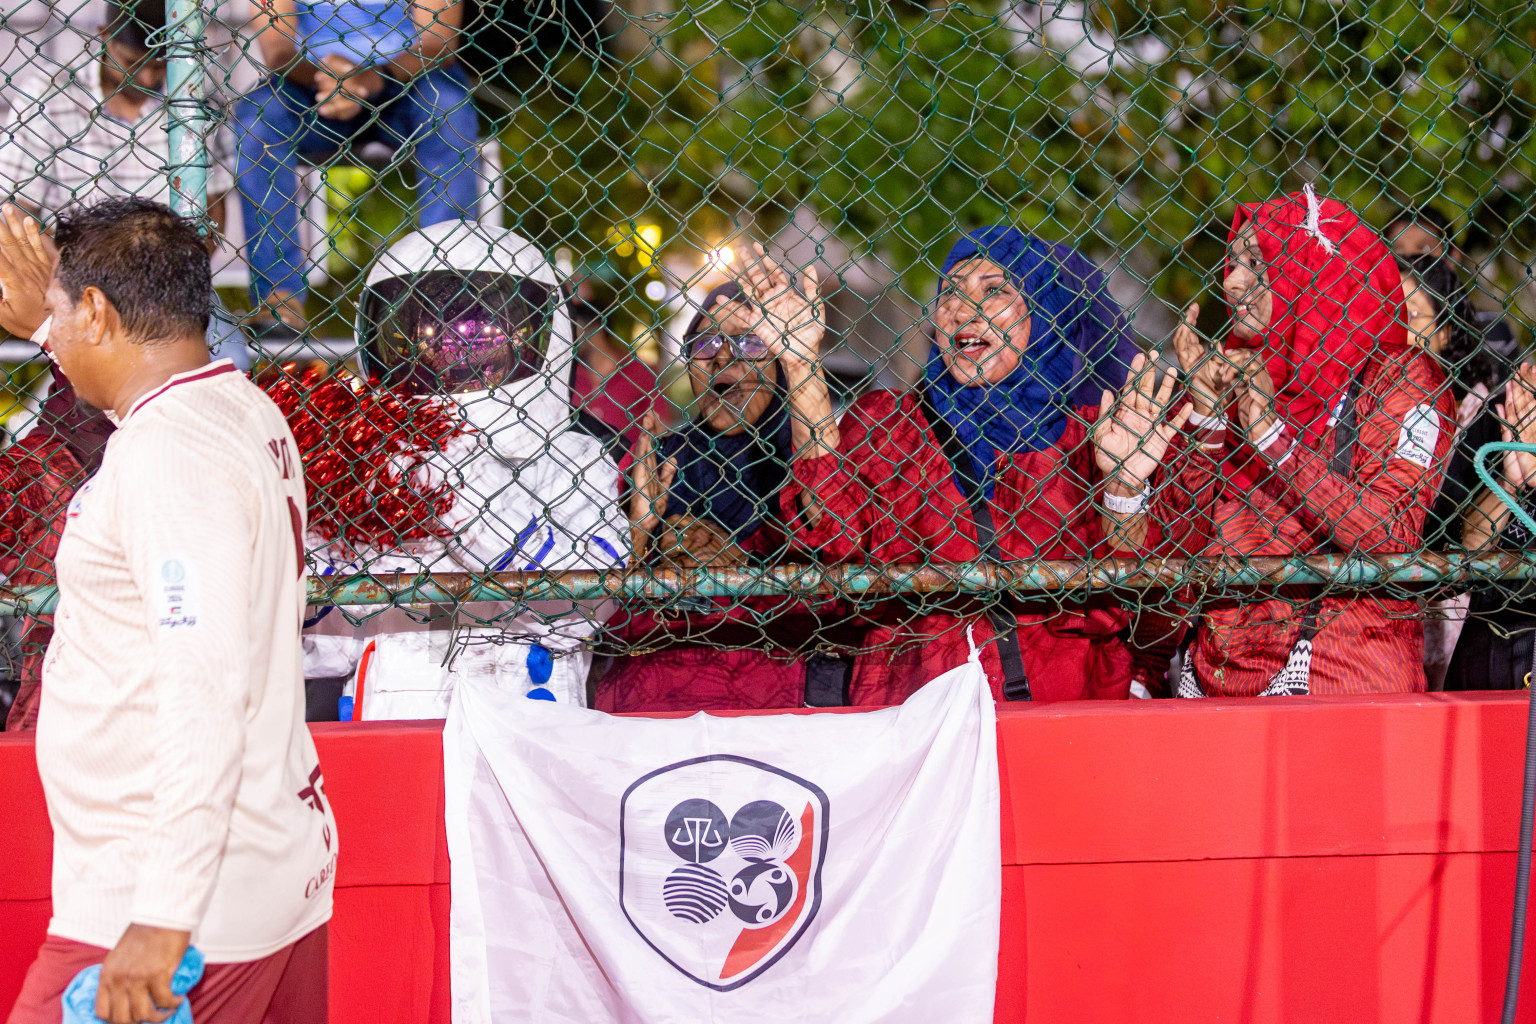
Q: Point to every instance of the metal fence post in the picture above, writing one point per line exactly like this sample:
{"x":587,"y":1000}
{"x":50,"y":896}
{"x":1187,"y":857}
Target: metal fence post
{"x":185,"y":26}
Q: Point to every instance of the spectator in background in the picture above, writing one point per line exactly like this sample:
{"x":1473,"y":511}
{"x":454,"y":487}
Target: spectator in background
{"x":462,"y":456}
{"x":707,"y":494}
{"x":344,"y":73}
{"x":100,"y":130}
{"x":1495,"y":648}
{"x":1341,"y":435}
{"x":1001,"y":454}
{"x":1439,"y":321}
{"x":612,"y":383}
{"x":1425,"y":231}
{"x":1421,"y":231}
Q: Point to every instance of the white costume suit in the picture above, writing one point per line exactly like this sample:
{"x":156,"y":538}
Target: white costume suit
{"x":531,"y":490}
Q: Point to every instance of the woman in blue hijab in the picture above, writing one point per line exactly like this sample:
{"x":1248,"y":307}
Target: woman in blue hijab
{"x":1000,"y":454}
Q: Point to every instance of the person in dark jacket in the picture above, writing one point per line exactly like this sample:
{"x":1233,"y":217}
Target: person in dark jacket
{"x":1005,"y":452}
{"x":1495,"y":650}
{"x":707,"y":495}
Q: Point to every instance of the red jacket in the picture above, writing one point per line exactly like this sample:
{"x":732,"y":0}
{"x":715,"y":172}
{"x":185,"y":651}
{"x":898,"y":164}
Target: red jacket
{"x":38,"y":477}
{"x":1299,"y":505}
{"x":889,"y":496}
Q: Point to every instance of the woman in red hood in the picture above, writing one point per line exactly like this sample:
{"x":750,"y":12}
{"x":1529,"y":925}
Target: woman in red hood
{"x":1317,"y":428}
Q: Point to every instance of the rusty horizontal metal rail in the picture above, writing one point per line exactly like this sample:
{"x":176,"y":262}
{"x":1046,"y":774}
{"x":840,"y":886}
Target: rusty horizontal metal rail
{"x":1069,"y":576}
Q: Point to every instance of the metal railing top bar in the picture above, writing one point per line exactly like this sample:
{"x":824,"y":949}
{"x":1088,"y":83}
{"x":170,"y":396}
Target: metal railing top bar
{"x":868,"y":581}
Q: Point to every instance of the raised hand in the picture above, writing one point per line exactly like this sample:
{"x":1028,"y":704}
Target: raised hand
{"x":792,"y":323}
{"x":1256,"y":397}
{"x":648,"y":495}
{"x":1209,"y":371}
{"x":1133,"y":430}
{"x":27,"y":259}
{"x":1518,"y":423}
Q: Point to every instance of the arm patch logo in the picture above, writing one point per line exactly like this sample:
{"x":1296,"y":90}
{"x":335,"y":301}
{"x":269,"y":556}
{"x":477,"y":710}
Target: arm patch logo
{"x":1419,"y":437}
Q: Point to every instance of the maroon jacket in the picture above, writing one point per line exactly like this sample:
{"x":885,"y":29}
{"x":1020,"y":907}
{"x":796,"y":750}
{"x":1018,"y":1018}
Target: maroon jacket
{"x":717,"y":654}
{"x":889,"y":496}
{"x":38,"y":477}
{"x":1370,"y":643}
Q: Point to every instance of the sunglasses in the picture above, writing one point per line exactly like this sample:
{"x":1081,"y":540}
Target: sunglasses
{"x":746,"y":346}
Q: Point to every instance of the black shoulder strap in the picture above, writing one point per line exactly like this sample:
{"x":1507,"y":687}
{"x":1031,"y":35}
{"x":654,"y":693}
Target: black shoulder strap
{"x":1346,"y":438}
{"x":1004,"y":625}
{"x":1346,"y":428}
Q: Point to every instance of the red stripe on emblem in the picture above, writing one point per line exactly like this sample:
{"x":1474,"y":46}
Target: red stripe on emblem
{"x":755,"y":943}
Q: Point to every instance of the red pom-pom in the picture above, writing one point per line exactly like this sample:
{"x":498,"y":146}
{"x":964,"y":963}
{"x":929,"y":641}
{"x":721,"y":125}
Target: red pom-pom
{"x":361,"y":447}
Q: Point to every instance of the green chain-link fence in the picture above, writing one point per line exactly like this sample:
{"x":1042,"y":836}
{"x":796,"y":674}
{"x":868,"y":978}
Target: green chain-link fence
{"x":639,"y":150}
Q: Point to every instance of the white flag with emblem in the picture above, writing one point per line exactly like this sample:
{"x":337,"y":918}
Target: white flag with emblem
{"x":821,"y":867}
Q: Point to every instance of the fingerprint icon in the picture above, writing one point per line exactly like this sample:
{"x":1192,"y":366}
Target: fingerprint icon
{"x":694,"y":893}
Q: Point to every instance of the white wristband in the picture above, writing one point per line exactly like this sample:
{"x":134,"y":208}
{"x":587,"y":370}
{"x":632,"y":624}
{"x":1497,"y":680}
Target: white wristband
{"x":1199,"y":422}
{"x":1270,"y":437}
{"x":1131,"y":506}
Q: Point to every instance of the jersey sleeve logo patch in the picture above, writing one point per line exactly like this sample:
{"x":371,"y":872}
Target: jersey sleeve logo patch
{"x":177,"y":594}
{"x":1419,"y":437}
{"x":77,"y":503}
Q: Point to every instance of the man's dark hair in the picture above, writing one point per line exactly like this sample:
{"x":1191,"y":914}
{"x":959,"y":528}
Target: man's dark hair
{"x":150,"y":263}
{"x":131,"y":22}
{"x":1426,"y":217}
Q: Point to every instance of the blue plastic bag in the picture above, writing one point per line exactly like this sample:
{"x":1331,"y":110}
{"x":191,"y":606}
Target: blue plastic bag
{"x":80,"y":996}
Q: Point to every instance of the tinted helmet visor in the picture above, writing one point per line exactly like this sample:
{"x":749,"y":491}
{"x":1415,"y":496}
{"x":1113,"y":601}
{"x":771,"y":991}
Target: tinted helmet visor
{"x":446,"y":331}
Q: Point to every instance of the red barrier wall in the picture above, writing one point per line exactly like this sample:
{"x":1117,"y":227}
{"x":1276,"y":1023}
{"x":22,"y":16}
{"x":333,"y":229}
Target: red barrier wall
{"x":1299,"y":860}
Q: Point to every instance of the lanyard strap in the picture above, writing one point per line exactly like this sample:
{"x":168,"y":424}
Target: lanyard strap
{"x":1004,"y":625}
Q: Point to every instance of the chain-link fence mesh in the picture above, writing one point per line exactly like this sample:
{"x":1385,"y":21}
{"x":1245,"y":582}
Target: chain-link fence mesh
{"x":738,"y":352}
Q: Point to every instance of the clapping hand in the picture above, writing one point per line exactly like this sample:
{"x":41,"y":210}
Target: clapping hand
{"x":691,"y":543}
{"x":1209,"y":371}
{"x":1133,"y":431}
{"x":648,"y":496}
{"x":1256,"y":399}
{"x":792,"y":323}
{"x":1518,"y":423}
{"x":27,"y":259}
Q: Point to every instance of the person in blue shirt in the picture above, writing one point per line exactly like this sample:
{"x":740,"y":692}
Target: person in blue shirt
{"x":349,"y":71}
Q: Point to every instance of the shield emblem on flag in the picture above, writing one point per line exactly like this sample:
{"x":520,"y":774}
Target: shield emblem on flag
{"x":720,"y":864}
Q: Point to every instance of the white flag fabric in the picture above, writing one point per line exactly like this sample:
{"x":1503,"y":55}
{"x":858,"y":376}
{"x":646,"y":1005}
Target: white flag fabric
{"x":826,"y":867}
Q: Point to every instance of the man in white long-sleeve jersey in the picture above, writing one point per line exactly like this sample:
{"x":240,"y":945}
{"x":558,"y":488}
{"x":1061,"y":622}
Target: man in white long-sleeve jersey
{"x":185,"y":795}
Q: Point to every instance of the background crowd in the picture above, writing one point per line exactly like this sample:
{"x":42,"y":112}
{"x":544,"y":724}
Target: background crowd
{"x":1337,"y":411}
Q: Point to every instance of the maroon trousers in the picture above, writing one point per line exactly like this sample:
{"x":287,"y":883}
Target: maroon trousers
{"x":292,"y":986}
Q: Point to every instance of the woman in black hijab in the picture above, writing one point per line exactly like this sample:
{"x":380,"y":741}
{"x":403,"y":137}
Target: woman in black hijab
{"x":703,"y":494}
{"x":708,"y":495}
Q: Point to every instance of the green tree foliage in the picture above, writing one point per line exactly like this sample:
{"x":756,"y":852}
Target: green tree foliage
{"x":1130,"y":125}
